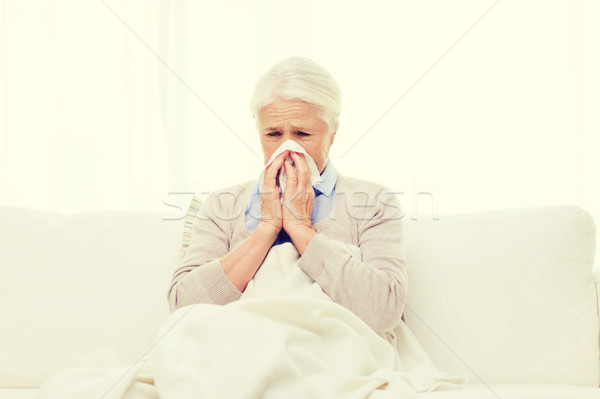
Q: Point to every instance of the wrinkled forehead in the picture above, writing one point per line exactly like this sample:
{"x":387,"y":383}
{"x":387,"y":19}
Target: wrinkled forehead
{"x":294,"y":114}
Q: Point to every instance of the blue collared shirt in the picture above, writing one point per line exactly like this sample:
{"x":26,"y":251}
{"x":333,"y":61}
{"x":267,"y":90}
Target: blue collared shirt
{"x":324,"y":196}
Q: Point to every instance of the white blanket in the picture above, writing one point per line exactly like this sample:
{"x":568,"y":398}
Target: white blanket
{"x":284,"y":338}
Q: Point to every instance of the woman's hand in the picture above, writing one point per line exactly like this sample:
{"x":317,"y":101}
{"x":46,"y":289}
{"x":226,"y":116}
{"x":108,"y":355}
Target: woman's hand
{"x":298,"y":200}
{"x":270,"y":205}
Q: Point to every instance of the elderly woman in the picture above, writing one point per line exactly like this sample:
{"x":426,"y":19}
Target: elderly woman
{"x":298,"y":100}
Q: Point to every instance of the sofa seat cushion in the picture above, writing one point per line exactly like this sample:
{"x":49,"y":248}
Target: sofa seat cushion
{"x":18,"y":393}
{"x":516,"y":391}
{"x":472,"y":391}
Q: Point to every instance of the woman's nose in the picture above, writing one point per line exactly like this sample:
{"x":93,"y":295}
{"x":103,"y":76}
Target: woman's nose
{"x":289,"y":136}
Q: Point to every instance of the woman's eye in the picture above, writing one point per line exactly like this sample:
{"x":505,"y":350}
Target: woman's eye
{"x":273,"y":134}
{"x":303,"y":134}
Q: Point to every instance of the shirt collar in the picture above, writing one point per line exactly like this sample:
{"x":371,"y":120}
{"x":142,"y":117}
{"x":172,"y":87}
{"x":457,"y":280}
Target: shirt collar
{"x":328,"y":179}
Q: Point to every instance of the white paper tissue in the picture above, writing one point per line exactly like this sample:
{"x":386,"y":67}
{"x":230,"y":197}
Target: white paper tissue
{"x":315,"y":176}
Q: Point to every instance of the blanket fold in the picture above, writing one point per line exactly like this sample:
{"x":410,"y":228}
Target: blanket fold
{"x":284,"y":338}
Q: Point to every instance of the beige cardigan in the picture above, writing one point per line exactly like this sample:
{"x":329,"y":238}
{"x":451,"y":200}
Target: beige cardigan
{"x":363,"y":214}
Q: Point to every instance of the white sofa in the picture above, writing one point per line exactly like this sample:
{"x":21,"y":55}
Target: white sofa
{"x":506,"y":297}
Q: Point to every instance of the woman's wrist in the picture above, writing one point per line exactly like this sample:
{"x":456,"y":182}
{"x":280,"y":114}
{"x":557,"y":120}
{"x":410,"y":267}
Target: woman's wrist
{"x":301,"y":237}
{"x":267,"y":231}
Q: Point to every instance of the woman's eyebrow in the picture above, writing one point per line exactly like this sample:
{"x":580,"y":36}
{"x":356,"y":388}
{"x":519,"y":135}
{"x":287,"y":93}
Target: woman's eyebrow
{"x":293,"y":128}
{"x":297,"y":129}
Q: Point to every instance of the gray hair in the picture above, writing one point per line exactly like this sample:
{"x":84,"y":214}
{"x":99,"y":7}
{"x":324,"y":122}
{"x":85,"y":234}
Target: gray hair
{"x":303,"y":79}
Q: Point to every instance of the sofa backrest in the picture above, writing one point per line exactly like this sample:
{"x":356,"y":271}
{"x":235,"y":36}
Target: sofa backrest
{"x":74,"y":285}
{"x":506,"y":296}
{"x":501,"y":296}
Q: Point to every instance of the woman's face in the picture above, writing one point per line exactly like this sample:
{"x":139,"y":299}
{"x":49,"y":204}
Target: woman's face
{"x":296,"y":120}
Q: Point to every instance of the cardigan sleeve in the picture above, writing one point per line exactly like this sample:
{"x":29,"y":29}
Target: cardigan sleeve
{"x":372,"y":283}
{"x":199,"y":277}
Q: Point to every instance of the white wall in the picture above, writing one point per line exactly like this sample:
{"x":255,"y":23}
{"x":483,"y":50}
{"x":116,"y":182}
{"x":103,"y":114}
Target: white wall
{"x":102,"y":112}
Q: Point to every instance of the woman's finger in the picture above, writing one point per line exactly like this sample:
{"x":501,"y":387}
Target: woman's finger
{"x":292,"y":180}
{"x":272,"y":170}
{"x":302,"y":170}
